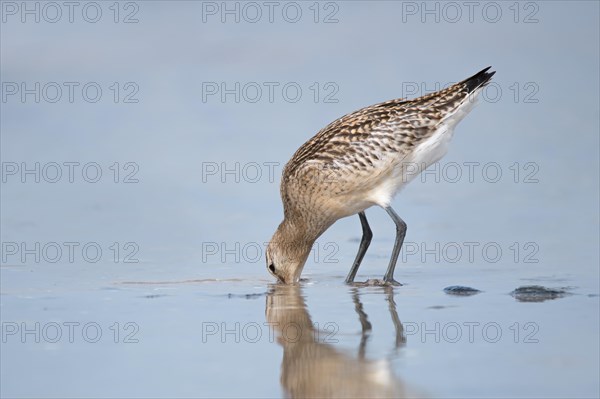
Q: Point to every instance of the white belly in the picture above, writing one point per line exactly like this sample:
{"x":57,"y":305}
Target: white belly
{"x":424,"y":155}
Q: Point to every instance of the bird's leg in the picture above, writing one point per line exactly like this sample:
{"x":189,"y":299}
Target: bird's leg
{"x":400,"y":233}
{"x":362,"y":249}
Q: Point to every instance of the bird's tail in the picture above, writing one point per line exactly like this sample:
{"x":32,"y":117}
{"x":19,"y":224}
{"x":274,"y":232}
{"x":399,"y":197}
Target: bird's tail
{"x":450,"y":98}
{"x":477,"y":81}
{"x":456,"y":101}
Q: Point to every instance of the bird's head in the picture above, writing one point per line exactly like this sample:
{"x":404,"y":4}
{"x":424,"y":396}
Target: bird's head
{"x":287,"y":253}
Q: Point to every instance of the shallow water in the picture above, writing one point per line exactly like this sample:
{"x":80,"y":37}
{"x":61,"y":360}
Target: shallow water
{"x":248,"y":337}
{"x":151,"y":281}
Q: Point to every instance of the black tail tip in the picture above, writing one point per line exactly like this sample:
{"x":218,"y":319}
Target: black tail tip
{"x":481,"y":78}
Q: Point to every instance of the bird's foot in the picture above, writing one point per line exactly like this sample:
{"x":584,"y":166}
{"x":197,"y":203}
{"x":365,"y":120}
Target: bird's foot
{"x":392,"y":282}
{"x":375,"y":282}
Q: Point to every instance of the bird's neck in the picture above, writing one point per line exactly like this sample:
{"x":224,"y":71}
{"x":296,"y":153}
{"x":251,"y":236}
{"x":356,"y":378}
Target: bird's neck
{"x":296,"y":233}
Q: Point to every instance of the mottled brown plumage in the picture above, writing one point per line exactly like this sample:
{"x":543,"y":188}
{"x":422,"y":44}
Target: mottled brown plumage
{"x":360,"y":160}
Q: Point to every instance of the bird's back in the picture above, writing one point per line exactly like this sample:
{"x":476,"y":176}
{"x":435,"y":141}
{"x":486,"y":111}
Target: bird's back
{"x":360,"y":159}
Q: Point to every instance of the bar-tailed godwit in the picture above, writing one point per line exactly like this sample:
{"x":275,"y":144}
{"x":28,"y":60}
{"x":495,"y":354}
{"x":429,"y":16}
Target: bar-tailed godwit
{"x":360,"y":160}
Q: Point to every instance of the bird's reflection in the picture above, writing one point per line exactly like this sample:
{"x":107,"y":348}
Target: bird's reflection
{"x":313,"y":367}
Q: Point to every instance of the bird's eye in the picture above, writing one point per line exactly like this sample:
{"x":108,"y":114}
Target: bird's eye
{"x":272,"y":268}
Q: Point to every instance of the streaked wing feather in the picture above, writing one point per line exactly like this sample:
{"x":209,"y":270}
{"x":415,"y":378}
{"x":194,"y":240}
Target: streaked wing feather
{"x":395,"y":126}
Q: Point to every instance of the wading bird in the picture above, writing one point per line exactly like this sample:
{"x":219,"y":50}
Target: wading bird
{"x":360,"y":160}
